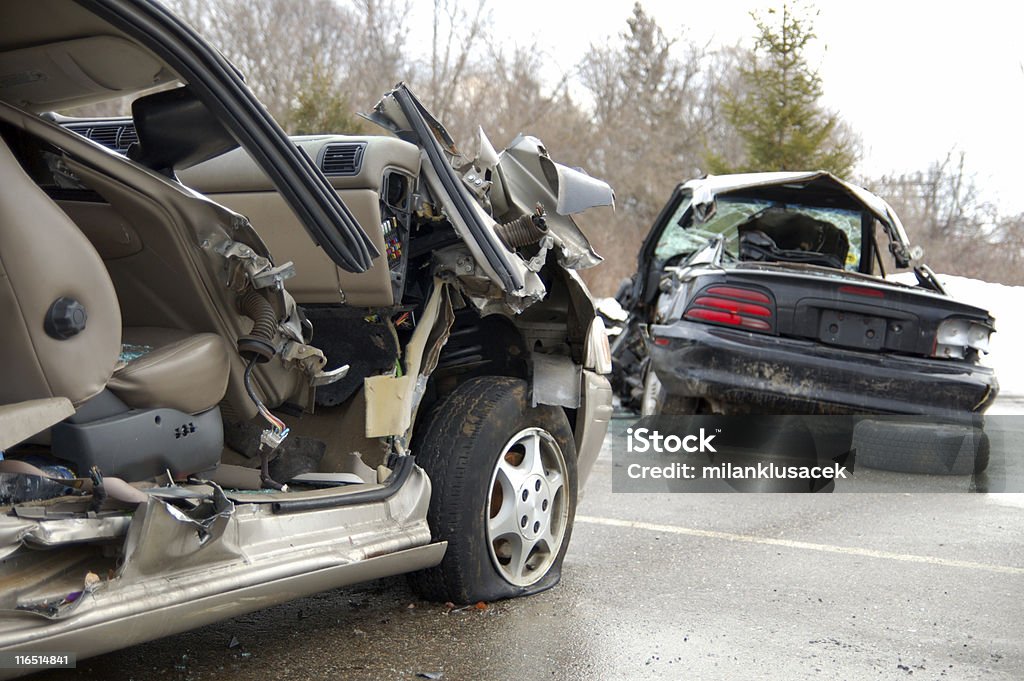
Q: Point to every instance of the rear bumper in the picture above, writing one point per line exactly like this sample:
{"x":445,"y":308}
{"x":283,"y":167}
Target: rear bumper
{"x":768,"y":373}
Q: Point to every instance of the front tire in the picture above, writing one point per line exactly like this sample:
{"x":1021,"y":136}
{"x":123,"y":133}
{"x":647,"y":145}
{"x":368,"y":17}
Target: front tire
{"x":503,"y":478}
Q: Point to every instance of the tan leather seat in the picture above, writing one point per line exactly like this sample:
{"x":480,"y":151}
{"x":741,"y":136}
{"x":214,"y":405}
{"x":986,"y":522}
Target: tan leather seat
{"x":44,"y":257}
{"x":178,"y":370}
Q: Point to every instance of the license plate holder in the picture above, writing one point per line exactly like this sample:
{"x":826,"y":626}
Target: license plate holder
{"x":852,"y":330}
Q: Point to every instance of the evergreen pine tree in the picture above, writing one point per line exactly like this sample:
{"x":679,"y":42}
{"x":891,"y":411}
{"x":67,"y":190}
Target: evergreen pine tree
{"x":777,"y":112}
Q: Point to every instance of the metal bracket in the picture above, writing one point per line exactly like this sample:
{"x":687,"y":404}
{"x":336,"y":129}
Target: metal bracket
{"x":328,"y":377}
{"x":260,"y":271}
{"x":275,"y":276}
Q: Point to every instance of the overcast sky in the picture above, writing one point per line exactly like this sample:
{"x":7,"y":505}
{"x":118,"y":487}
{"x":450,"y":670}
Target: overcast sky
{"x":915,"y":79}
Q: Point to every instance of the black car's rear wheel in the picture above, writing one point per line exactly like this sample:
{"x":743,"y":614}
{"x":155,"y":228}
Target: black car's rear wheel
{"x":503,"y":478}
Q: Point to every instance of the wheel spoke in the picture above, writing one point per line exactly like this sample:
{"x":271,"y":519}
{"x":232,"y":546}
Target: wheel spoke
{"x":521,"y":549}
{"x":505,"y":522}
{"x":533,"y":462}
{"x":547,"y":539}
{"x":511,"y":476}
{"x":555,"y":482}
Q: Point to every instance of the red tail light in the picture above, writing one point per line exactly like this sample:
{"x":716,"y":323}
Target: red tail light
{"x":733,"y":306}
{"x":739,"y":293}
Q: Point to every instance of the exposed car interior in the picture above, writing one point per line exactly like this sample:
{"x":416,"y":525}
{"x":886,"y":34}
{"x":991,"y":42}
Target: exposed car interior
{"x":777,"y":234}
{"x":376,"y":178}
{"x":140,"y":377}
{"x":156,"y":249}
{"x":758,"y":229}
{"x":117,"y":296}
{"x":136,"y":320}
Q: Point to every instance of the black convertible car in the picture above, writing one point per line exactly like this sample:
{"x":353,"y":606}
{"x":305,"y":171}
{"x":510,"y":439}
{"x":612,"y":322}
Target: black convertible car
{"x":767,"y":293}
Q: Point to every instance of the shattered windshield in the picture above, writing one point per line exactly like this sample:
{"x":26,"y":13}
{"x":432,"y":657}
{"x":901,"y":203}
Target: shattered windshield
{"x":759,"y":229}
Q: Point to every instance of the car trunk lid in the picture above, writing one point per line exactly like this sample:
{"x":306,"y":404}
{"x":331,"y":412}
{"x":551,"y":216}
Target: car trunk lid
{"x":852,"y":310}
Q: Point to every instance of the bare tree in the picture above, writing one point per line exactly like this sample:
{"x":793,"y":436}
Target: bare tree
{"x":960,"y":232}
{"x":456,"y":32}
{"x":654,"y":98}
{"x":357,"y":48}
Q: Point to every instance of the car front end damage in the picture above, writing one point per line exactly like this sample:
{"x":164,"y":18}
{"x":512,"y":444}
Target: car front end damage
{"x":510,"y":208}
{"x":123,"y":550}
{"x":517,"y":258}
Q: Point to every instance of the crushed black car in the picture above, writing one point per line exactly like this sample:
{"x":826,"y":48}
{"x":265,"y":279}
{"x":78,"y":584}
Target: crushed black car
{"x":767,"y":293}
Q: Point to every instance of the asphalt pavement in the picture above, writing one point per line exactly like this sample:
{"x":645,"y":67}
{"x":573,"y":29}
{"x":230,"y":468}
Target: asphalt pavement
{"x":890,"y":584}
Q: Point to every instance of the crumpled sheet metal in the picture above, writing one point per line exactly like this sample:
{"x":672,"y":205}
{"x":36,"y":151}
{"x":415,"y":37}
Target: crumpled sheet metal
{"x":706,"y":189}
{"x":52,"y":533}
{"x":160,"y":537}
{"x":531,"y":177}
{"x":163,"y":538}
{"x":12,"y":532}
{"x":67,"y":606}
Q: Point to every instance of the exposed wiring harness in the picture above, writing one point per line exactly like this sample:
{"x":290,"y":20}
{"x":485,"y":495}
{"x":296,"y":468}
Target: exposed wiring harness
{"x":270,"y":438}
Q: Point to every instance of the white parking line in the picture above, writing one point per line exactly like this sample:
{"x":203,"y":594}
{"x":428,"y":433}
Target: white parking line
{"x":807,"y":546}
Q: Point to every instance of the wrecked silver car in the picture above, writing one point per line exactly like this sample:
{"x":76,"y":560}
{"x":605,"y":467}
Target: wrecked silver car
{"x":241,"y":368}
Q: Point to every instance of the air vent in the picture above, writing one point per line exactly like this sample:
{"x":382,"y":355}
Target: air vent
{"x":105,"y":135}
{"x":342,"y":159}
{"x":127,"y":138}
{"x":116,"y":136}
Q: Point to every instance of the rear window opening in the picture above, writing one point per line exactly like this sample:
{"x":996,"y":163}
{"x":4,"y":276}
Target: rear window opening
{"x":769,"y":231}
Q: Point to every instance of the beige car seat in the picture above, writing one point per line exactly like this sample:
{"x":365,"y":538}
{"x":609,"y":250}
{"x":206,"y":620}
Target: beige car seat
{"x":153,"y":409}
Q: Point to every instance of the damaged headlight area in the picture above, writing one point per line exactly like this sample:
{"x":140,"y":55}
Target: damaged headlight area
{"x":957,"y":337}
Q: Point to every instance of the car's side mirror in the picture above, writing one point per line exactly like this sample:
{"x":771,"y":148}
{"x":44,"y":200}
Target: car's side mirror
{"x":176,"y":131}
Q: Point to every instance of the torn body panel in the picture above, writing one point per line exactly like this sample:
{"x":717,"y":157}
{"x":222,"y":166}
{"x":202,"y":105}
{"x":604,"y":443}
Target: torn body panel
{"x":392,"y":401}
{"x":529,"y":177}
{"x":181,"y":568}
{"x":476,"y":194}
